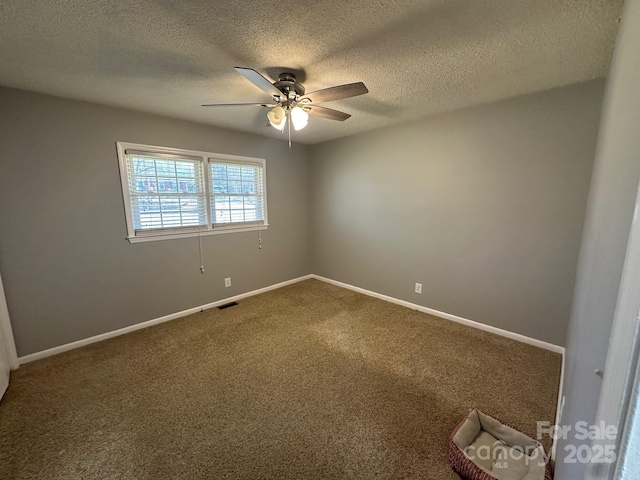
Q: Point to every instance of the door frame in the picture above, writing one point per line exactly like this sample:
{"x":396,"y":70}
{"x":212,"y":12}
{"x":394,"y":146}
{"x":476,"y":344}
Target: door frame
{"x":622,"y":365}
{"x":7,"y":331}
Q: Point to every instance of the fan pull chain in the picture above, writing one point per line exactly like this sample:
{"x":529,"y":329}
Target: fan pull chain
{"x":200,"y":249}
{"x":289,"y":123}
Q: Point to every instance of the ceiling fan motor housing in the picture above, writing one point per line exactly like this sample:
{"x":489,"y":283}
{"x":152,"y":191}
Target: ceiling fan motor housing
{"x":287,"y":83}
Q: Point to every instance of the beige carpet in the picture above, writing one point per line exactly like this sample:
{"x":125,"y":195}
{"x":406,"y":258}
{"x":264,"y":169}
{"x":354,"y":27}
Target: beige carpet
{"x":310,"y":381}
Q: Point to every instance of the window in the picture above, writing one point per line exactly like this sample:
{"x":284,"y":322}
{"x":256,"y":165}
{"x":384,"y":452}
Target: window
{"x":172,"y":193}
{"x":236,"y":192}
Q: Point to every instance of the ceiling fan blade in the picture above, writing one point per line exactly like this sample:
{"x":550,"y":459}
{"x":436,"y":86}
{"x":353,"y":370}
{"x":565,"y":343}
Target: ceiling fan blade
{"x":238,"y":105}
{"x":337,"y":92}
{"x":259,"y":81}
{"x":329,"y":113}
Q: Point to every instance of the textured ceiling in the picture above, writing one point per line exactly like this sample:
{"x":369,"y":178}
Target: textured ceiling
{"x":417,"y":57}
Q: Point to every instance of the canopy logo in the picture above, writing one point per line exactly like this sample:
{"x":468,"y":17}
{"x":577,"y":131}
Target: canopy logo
{"x":500,"y":455}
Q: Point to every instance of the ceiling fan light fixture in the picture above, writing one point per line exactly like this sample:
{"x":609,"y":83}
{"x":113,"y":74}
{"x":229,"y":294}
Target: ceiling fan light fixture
{"x":277,"y":118}
{"x":299,"y":118}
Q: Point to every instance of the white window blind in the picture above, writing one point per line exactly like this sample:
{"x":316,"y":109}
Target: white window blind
{"x":237,"y":193}
{"x":174,"y":193}
{"x":166,"y":192}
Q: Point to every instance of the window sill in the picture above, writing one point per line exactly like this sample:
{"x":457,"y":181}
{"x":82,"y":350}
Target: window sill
{"x":204,"y":233}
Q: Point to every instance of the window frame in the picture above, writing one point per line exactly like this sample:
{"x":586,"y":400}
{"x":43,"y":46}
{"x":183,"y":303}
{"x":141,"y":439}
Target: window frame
{"x":206,"y":159}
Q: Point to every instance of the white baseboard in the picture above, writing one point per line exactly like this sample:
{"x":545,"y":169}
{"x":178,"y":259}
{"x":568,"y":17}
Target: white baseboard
{"x":470,"y":323}
{"x":87,"y":341}
{"x":166,"y":318}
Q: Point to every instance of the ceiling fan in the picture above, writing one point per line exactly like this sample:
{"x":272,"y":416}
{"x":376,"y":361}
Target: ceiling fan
{"x":289,"y":101}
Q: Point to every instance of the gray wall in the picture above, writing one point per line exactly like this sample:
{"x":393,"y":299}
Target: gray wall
{"x":68,"y":271}
{"x":609,"y":215}
{"x":483,"y":206}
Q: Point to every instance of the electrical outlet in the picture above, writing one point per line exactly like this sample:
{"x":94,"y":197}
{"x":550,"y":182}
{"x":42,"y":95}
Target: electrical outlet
{"x":227,"y":282}
{"x":418,"y":288}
